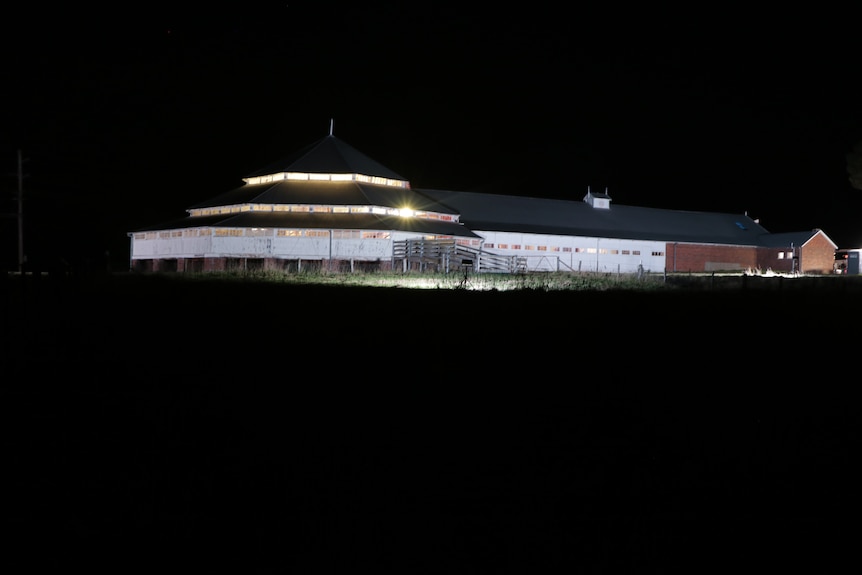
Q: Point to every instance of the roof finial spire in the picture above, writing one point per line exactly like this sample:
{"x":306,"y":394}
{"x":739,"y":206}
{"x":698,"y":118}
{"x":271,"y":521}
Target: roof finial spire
{"x":331,"y":121}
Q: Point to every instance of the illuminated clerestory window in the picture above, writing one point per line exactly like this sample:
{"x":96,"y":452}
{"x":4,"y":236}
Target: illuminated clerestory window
{"x":307,"y":177}
{"x":404,"y":212}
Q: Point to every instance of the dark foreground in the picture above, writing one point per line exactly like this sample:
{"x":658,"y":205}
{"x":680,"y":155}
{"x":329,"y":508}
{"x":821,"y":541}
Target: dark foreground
{"x":161,"y":426}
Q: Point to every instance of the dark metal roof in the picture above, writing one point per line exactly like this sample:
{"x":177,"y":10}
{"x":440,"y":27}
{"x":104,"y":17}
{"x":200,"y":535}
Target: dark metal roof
{"x":478,"y":211}
{"x":318,"y":221}
{"x":328,"y":155}
{"x":493,"y":212}
{"x":795,"y":239}
{"x":326,"y":193}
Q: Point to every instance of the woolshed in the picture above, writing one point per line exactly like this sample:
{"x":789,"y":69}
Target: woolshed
{"x":331,"y":207}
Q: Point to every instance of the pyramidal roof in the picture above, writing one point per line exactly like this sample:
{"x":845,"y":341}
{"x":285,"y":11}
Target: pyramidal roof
{"x":329,"y":155}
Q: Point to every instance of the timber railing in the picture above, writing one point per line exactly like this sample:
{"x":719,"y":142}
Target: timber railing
{"x":448,"y":255}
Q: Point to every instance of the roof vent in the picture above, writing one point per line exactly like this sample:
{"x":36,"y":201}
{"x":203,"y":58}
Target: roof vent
{"x":599,"y":201}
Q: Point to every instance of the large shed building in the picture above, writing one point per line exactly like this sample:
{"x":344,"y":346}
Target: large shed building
{"x":330,"y":206}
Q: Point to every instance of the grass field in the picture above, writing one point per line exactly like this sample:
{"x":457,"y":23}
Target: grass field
{"x":247,"y":424}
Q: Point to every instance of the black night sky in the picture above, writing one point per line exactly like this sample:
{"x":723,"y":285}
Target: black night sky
{"x":127,"y":119}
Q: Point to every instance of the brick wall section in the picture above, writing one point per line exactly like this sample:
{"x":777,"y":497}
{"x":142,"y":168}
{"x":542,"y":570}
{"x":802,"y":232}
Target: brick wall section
{"x":707,"y":258}
{"x":214,"y":264}
{"x":768,"y":260}
{"x":817,"y":255}
{"x":258,"y":264}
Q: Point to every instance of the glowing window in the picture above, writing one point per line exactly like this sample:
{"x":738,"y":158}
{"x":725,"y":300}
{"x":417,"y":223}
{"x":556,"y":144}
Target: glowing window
{"x":375,"y":235}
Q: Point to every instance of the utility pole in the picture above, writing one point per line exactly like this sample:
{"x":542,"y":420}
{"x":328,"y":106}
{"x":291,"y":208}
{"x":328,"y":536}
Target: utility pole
{"x":21,"y":256}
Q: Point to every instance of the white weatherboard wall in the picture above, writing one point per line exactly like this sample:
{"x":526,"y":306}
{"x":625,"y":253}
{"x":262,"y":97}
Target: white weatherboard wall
{"x":204,"y":242}
{"x":174,"y":243}
{"x":561,"y":253}
{"x":542,"y":252}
